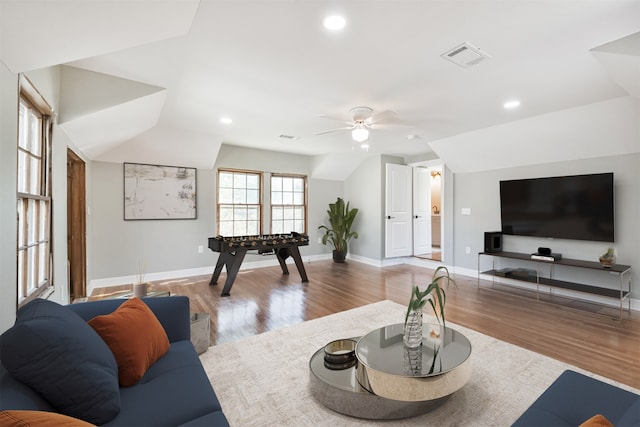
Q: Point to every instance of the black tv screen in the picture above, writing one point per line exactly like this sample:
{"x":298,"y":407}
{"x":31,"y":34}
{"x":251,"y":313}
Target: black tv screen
{"x":578,"y":207}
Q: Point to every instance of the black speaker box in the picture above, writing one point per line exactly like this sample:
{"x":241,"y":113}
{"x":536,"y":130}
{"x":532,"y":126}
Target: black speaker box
{"x":544,"y":251}
{"x":493,"y":241}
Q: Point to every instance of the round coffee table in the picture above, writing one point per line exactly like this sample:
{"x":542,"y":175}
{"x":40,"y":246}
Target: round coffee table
{"x":391,"y":381}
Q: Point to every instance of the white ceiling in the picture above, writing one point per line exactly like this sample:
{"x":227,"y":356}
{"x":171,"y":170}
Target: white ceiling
{"x":272,"y":68}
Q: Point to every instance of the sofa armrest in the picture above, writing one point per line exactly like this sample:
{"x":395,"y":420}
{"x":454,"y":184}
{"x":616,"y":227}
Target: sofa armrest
{"x":172,"y":312}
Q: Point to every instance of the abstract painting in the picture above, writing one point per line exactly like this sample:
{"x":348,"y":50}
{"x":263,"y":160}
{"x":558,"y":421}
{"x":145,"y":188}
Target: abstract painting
{"x":159,"y":192}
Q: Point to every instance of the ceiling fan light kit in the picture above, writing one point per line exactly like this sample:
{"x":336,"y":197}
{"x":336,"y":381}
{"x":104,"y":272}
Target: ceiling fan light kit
{"x":362,"y":122}
{"x":360,"y":134}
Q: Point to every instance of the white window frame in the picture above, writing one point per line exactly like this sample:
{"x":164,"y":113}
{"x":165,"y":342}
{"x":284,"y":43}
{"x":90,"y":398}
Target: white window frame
{"x":288,"y":203}
{"x":235,"y":214}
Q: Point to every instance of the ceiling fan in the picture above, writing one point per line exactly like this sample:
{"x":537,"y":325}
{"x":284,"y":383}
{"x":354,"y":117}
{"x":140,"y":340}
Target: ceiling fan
{"x":362,"y":121}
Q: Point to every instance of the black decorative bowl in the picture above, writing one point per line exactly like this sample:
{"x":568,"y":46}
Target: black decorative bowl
{"x":340,"y":354}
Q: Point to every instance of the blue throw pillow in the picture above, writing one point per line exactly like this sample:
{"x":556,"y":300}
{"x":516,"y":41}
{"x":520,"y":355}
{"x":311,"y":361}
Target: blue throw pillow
{"x":56,"y":353}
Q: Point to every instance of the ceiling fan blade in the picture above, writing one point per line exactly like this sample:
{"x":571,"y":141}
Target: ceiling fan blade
{"x":335,"y":130}
{"x":338,"y":119}
{"x":388,"y":126}
{"x":386,"y":116}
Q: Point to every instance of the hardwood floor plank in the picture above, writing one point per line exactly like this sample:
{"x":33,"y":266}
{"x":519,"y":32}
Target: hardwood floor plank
{"x":586,"y":335}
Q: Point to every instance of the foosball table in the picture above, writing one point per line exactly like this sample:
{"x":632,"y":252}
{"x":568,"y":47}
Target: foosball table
{"x":233,"y":250}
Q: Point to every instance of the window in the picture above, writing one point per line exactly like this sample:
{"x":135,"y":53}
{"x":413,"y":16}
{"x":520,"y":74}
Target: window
{"x":34,"y":197}
{"x":288,"y":203}
{"x":239,"y":203}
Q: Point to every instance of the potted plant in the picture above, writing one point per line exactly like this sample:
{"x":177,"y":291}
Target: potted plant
{"x":341,"y":219}
{"x":141,"y":287}
{"x":608,"y":258}
{"x":434,"y":294}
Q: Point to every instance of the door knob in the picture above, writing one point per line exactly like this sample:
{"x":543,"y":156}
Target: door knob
{"x":389,"y":216}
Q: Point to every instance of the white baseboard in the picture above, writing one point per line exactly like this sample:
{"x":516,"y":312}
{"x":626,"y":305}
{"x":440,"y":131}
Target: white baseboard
{"x":200,"y":271}
{"x":420,"y":262}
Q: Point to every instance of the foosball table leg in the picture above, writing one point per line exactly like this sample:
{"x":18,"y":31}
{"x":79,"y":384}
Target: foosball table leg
{"x":282,"y":254}
{"x":232,"y":261}
{"x":295,"y":254}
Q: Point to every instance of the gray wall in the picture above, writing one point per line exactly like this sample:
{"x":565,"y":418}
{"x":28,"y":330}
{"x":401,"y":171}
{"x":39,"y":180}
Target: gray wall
{"x":362,"y":191}
{"x":480,"y":192}
{"x":158,"y":245}
{"x":8,"y":173}
{"x":47,"y":81}
{"x":171,"y":245}
{"x":365,"y":190}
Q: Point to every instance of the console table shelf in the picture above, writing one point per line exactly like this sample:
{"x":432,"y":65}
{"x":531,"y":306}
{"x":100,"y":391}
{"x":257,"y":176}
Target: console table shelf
{"x":533,"y":276}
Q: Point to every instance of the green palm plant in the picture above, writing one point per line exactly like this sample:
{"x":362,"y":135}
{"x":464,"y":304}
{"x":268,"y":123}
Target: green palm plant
{"x":341,"y":219}
{"x":419,"y":299}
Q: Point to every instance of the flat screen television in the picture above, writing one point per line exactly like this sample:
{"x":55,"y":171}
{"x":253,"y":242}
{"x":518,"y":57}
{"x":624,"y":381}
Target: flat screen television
{"x":578,"y":207}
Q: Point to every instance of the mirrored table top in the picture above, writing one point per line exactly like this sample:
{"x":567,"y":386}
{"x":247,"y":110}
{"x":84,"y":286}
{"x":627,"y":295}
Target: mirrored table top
{"x":442,"y":350}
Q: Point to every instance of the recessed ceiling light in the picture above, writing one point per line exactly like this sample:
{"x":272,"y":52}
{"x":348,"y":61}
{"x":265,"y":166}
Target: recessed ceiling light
{"x":509,"y":105}
{"x":334,"y":22}
{"x":226,"y":120}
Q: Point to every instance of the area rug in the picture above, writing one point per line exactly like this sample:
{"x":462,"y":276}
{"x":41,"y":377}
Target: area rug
{"x":263,"y":380}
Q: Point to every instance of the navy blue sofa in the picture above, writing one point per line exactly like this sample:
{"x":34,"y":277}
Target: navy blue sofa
{"x":175,"y":391}
{"x":574,"y":398}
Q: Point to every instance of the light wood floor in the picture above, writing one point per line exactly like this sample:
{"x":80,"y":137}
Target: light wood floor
{"x":583,"y":334}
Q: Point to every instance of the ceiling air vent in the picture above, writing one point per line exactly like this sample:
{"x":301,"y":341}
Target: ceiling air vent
{"x":465,"y":55}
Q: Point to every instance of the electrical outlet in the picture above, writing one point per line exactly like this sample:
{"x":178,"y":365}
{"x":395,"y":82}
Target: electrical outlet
{"x":320,"y":240}
{"x":467,"y":249}
{"x":200,"y":249}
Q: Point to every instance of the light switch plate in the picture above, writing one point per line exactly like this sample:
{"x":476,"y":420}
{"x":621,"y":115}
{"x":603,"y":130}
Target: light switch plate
{"x":465,"y":211}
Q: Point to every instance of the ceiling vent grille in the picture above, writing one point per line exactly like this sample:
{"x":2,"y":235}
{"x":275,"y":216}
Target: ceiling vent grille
{"x":465,"y":55}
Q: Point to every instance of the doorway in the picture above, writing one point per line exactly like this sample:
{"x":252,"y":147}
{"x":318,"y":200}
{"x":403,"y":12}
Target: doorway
{"x":76,"y":226}
{"x":435,"y":189}
{"x":436,"y":214}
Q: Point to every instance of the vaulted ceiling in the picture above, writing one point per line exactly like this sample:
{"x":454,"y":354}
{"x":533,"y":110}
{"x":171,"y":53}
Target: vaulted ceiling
{"x":148,"y":80}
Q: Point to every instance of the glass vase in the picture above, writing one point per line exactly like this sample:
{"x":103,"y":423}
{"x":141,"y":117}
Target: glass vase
{"x":412,"y":361}
{"x":412,"y":336}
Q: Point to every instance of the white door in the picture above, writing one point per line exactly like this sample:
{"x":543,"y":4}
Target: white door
{"x":398,"y":234}
{"x":421,"y":211}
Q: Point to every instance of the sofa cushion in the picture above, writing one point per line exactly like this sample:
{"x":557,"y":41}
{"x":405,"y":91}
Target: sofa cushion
{"x":15,"y":394}
{"x":213,"y":419}
{"x":573,"y":398}
{"x":174,"y":391}
{"x":19,"y":418}
{"x":55,"y":352}
{"x":135,"y":336}
{"x":631,"y":417}
{"x":597,"y":420}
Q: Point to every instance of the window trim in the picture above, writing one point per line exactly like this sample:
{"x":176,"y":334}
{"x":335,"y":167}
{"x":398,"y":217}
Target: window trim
{"x":260,"y":195}
{"x":305,"y":202}
{"x":34,"y":100}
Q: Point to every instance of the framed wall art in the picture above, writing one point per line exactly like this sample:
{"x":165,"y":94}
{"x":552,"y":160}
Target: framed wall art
{"x":159,"y":192}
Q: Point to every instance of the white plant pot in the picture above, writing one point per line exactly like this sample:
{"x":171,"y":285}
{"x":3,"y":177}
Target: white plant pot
{"x":140,"y":289}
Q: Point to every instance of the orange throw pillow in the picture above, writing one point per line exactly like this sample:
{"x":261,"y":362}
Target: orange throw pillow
{"x":136,"y":339}
{"x":597,"y":421}
{"x":14,"y":418}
